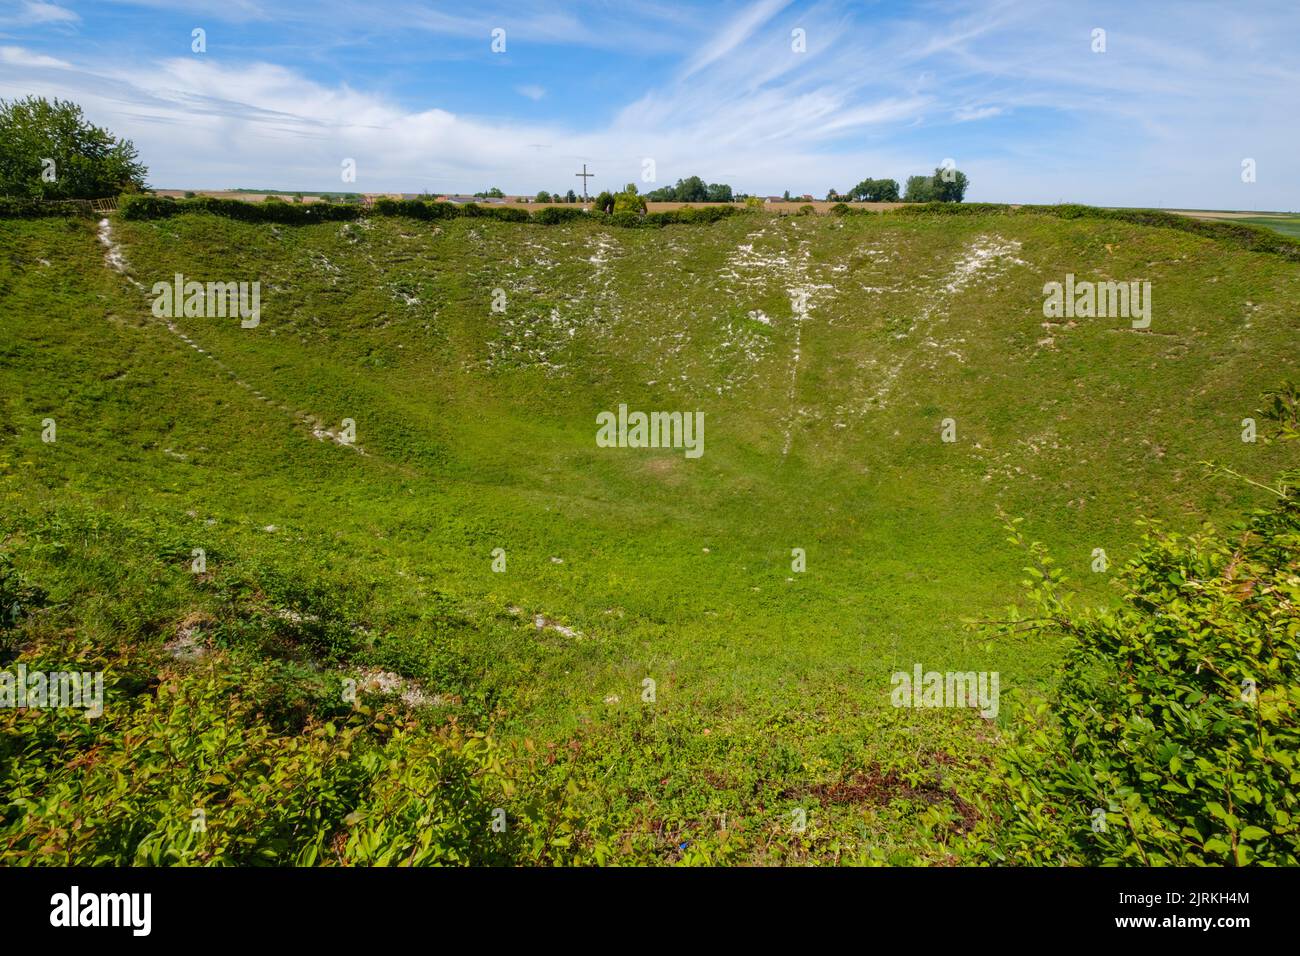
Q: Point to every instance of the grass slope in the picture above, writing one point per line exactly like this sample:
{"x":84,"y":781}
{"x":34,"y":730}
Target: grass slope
{"x":475,"y":430}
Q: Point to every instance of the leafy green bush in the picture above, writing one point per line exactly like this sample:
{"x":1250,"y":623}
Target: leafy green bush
{"x":247,"y":750}
{"x":507,"y":214}
{"x":155,"y":207}
{"x":932,"y":208}
{"x":184,"y":768}
{"x":415,"y":209}
{"x":146,"y":206}
{"x":1174,"y":737}
{"x":553,"y":215}
{"x":629,"y":202}
{"x":11,"y":208}
{"x":689,"y":214}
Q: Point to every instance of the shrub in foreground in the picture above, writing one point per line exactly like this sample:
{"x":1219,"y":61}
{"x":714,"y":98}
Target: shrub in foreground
{"x":1174,"y":736}
{"x":184,"y":768}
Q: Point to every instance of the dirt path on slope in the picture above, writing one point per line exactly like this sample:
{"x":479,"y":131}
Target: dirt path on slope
{"x":115,"y":259}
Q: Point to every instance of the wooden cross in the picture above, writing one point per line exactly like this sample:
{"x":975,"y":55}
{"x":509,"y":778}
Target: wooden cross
{"x":585,"y":176}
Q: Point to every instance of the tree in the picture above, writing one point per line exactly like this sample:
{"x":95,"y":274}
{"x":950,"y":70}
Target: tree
{"x":543,"y":196}
{"x":493,"y":193}
{"x":718,"y":192}
{"x":786,"y":196}
{"x":946,"y":185}
{"x":950,"y":185}
{"x":886,"y":190}
{"x":919,"y":189}
{"x":48,"y":150}
{"x":629,"y":202}
{"x":692,"y":189}
{"x":570,"y":196}
{"x":605,"y":201}
{"x":875,"y":190}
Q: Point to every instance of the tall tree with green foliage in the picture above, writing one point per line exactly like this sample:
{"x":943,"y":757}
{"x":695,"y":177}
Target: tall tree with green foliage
{"x":919,"y":189}
{"x":875,"y":190}
{"x":49,"y":150}
{"x":719,"y":192}
{"x":692,"y":189}
{"x":946,"y":185}
{"x":950,"y":185}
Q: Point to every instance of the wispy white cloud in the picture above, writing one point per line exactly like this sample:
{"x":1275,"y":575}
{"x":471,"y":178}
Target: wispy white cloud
{"x":966,"y":114}
{"x":19,"y":57}
{"x":37,"y":12}
{"x":1166,"y":114}
{"x":732,"y":34}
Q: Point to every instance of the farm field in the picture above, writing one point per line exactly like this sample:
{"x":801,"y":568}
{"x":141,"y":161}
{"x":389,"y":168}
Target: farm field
{"x":1286,"y":223}
{"x":631,"y":620}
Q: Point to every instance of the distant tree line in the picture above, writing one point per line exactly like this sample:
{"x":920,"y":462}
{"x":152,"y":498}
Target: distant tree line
{"x":946,"y":185}
{"x":692,"y":189}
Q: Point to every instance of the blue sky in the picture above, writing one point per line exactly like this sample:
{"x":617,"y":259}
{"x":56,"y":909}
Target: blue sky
{"x":1013,"y":92}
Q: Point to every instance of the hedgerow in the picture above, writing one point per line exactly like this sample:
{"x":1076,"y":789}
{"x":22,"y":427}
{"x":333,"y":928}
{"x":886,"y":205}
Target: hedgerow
{"x":155,"y":207}
{"x":159,"y":207}
{"x":1242,"y":235}
{"x":12,"y":208}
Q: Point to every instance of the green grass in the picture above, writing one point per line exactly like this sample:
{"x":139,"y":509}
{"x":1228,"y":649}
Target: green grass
{"x":1287,"y":225}
{"x":478,"y":429}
